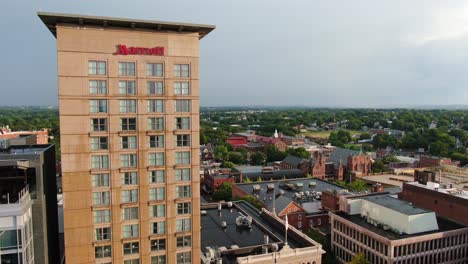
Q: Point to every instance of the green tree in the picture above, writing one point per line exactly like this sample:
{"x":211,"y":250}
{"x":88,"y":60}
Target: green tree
{"x":223,"y":193}
{"x":358,"y":185}
{"x":378,"y":166}
{"x":364,"y":136}
{"x":258,"y":158}
{"x":221,"y":153}
{"x":228,"y":164}
{"x":247,"y":180}
{"x":359,"y":259}
{"x":299,"y":152}
{"x":273,"y":154}
{"x":236,"y":157}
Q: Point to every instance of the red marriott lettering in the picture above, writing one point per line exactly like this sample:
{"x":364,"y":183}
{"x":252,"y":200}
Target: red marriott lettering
{"x":124,"y":50}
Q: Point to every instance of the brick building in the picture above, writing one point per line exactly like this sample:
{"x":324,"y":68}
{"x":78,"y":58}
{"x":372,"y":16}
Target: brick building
{"x":42,"y":136}
{"x":428,"y":161}
{"x":237,"y":141}
{"x":214,"y":178}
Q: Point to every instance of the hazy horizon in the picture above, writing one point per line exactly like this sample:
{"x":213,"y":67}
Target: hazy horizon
{"x":359,"y":54}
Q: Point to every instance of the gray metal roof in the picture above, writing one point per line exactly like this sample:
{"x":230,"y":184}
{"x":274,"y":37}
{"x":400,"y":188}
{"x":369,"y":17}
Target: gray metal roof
{"x":52,"y":19}
{"x":293,"y":160}
{"x":340,"y":154}
{"x":395,"y":204}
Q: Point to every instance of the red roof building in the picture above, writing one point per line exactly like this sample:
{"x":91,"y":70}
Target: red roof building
{"x":237,"y":141}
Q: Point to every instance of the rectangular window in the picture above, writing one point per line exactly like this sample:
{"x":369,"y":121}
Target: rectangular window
{"x":98,"y":106}
{"x":154,"y":69}
{"x":97,"y":67}
{"x":101,"y":198}
{"x":155,"y":123}
{"x":101,"y":216}
{"x":158,"y":259}
{"x":127,"y":88}
{"x":126,"y":68}
{"x":156,"y":159}
{"x":102,"y":233}
{"x":128,"y":142}
{"x":132,"y":261}
{"x":158,"y":245}
{"x":182,"y":157}
{"x":130,"y":213}
{"x":184,"y":258}
{"x":102,"y":251}
{"x":182,"y":106}
{"x":128,"y":160}
{"x":100,"y":180}
{"x":129,"y":178}
{"x":156,"y":176}
{"x":157,"y":210}
{"x":155,"y":88}
{"x":183,"y":224}
{"x":182,"y":174}
{"x":129,"y":231}
{"x":182,"y":123}
{"x":99,"y":143}
{"x":127,"y":106}
{"x":128,"y":124}
{"x":100,"y":162}
{"x":181,"y":70}
{"x":183,"y":140}
{"x":183,"y":191}
{"x":181,"y":88}
{"x":155,"y":106}
{"x":156,"y":141}
{"x":157,"y":194}
{"x":129,"y":196}
{"x":158,"y":227}
{"x":131,"y":248}
{"x":99,"y":124}
{"x":183,"y":208}
{"x":184,"y":241}
{"x":97,"y":87}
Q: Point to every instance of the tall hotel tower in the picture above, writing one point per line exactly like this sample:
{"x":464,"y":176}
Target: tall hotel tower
{"x":129,"y":128}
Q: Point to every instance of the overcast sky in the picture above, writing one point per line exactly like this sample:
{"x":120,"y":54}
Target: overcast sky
{"x":312,"y":53}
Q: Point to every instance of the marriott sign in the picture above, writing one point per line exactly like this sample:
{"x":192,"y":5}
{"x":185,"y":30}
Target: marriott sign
{"x":124,"y":50}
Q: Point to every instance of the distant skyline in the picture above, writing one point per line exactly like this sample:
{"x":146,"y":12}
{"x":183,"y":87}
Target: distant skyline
{"x":273,"y":53}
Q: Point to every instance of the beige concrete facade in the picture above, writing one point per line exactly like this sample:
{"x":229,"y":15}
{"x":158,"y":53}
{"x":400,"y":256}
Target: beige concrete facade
{"x":77,"y":45}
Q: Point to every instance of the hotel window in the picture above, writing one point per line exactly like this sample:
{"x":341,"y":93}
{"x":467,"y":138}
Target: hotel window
{"x":183,"y":141}
{"x":99,"y":143}
{"x":129,"y":231}
{"x":128,"y":160}
{"x":100,"y":180}
{"x":183,"y":224}
{"x":103,"y":251}
{"x":183,"y":208}
{"x":131,"y":248}
{"x":99,"y":124}
{"x":129,"y":196}
{"x":181,"y":70}
{"x":183,"y":191}
{"x":155,"y":88}
{"x":126,"y":68}
{"x":132,"y":261}
{"x":184,"y":241}
{"x":158,"y":245}
{"x":101,"y":198}
{"x":127,"y":88}
{"x":127,"y":106}
{"x":100,"y":162}
{"x":154,"y":69}
{"x":98,"y":106}
{"x":97,"y":67}
{"x":101,"y":216}
{"x":128,"y":142}
{"x":184,"y":258}
{"x":182,"y":123}
{"x":130,"y":213}
{"x":182,"y":157}
{"x":182,"y":106}
{"x":129,"y":178}
{"x":155,"y":123}
{"x":158,"y":259}
{"x":102,"y":233}
{"x":128,"y":124}
{"x":156,"y":159}
{"x":181,"y":88}
{"x":157,"y":210}
{"x":156,"y":194}
{"x":156,"y":176}
{"x":158,"y":227}
{"x":156,"y":141}
{"x":97,"y":87}
{"x":182,"y":174}
{"x":155,"y":106}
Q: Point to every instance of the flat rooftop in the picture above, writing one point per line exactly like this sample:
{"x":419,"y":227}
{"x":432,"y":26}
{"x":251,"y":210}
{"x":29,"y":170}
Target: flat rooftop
{"x":51,"y":20}
{"x":458,"y":192}
{"x":444,"y":225}
{"x":310,"y":185}
{"x":24,"y":150}
{"x":394,"y":204}
{"x":389,"y":179}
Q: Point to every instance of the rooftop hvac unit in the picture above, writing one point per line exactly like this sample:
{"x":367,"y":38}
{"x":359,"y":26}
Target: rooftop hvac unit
{"x":312,"y":184}
{"x":281,"y":192}
{"x":256,"y":187}
{"x":203,"y":212}
{"x":224,"y":224}
{"x":271,"y":186}
{"x":229,"y":204}
{"x":299,"y":184}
